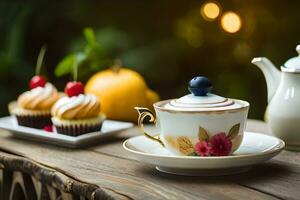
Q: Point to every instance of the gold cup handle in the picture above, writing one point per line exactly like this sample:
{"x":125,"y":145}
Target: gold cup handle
{"x":143,"y":113}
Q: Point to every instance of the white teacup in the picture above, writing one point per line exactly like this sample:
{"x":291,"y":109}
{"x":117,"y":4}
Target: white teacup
{"x":199,"y":124}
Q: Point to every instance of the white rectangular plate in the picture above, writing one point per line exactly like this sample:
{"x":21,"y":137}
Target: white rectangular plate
{"x":109,"y":128}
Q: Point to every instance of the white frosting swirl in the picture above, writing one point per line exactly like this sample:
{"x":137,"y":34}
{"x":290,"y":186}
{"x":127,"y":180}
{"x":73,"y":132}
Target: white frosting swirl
{"x":39,"y":98}
{"x":76,"y":107}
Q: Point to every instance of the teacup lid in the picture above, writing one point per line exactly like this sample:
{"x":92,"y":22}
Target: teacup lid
{"x":201,"y":99}
{"x":293,"y":64}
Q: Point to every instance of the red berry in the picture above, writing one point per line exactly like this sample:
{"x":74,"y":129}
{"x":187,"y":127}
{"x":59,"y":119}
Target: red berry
{"x":74,"y":89}
{"x":37,"y":81}
{"x":48,"y":128}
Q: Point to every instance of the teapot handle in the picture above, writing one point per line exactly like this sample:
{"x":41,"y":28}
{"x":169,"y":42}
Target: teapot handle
{"x":143,"y":113}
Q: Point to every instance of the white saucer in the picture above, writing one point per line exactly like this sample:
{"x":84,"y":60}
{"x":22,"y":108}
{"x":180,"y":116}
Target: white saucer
{"x":255,"y":148}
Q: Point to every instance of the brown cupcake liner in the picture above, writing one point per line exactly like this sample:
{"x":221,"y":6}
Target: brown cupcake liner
{"x":78,"y":129}
{"x":34,"y":121}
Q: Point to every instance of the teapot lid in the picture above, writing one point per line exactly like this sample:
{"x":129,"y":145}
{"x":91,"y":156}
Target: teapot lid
{"x":201,"y":99}
{"x":293,"y":64}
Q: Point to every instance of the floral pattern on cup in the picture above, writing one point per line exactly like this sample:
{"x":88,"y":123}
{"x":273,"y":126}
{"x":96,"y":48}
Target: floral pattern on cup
{"x":219,"y":144}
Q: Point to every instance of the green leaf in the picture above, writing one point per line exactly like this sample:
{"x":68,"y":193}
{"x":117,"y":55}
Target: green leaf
{"x":72,"y":64}
{"x":192,"y":154}
{"x":202,"y":134}
{"x":66,"y":65}
{"x":233,"y":132}
{"x":93,"y":49}
{"x":80,"y":58}
{"x":89,"y":35}
{"x":94,"y":52}
{"x":91,"y":58}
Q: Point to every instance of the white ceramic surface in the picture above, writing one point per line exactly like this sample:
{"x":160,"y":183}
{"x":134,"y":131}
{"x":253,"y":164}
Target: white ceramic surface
{"x":187,"y":125}
{"x":284,"y":99}
{"x":198,"y":119}
{"x":255,"y":148}
{"x":109,"y":129}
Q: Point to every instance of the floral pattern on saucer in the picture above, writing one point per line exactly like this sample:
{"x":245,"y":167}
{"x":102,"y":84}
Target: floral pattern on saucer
{"x":220,"y":144}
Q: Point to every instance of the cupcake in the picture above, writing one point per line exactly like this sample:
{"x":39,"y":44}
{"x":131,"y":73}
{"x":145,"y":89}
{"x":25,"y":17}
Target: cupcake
{"x":33,"y":107}
{"x":77,"y":113}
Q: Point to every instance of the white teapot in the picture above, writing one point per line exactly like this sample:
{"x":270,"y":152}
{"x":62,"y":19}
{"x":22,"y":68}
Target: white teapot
{"x":283,"y":111}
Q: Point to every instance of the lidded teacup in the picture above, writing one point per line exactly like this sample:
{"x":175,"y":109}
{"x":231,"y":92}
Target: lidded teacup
{"x":198,"y":124}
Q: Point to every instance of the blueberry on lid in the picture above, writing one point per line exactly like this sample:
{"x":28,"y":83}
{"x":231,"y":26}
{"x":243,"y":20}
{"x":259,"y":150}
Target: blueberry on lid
{"x":200,"y":86}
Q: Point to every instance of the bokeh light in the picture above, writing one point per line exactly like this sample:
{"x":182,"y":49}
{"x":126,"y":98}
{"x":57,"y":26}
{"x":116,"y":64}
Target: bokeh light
{"x":210,"y":11}
{"x":231,"y":22}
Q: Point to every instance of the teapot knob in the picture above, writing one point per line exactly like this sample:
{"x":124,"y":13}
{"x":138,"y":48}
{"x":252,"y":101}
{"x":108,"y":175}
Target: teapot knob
{"x":200,"y":86}
{"x":298,"y":49}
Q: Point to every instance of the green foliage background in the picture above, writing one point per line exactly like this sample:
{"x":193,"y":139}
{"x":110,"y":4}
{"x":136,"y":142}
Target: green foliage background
{"x":168,"y":42}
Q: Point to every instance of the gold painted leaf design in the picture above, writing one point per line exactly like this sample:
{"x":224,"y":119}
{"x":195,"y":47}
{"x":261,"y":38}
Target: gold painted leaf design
{"x":202,"y":134}
{"x":171,"y":141}
{"x":185,"y":145}
{"x":233,"y":132}
{"x":236,"y":142}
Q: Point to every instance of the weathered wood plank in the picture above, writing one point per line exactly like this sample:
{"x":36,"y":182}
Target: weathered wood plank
{"x":7,"y":183}
{"x":258,"y":126}
{"x":278,"y":178}
{"x":129,"y":178}
{"x":1,"y":183}
{"x":162,"y":186}
{"x":110,"y":167}
{"x":47,"y":176}
{"x":273,"y":182}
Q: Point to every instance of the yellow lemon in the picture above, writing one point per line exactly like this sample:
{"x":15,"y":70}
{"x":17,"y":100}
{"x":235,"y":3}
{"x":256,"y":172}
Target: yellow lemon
{"x":119,"y":91}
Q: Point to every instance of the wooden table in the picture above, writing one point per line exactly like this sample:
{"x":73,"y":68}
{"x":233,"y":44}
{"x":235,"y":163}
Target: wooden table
{"x":29,"y":170}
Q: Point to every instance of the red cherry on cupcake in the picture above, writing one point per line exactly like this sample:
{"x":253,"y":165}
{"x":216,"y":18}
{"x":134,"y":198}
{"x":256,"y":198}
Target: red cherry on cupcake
{"x":74,"y":88}
{"x":37,"y":81}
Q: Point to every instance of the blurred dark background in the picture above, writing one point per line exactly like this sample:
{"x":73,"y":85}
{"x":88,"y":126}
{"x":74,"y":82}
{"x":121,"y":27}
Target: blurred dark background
{"x":167,"y":41}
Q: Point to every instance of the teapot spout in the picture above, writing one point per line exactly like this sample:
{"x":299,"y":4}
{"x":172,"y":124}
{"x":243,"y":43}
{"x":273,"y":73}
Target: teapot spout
{"x":271,"y":73}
